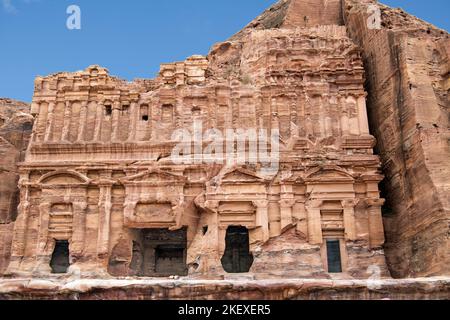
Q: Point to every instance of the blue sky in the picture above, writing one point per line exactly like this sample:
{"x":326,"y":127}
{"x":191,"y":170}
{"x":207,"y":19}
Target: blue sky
{"x":131,"y":38}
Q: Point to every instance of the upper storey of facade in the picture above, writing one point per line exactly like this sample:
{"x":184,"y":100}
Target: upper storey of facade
{"x":305,"y":80}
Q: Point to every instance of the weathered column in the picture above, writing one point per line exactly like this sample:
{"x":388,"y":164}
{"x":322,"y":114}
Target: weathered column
{"x":376,"y":229}
{"x":104,"y":222}
{"x":98,"y":122}
{"x":42,"y":254}
{"x":66,"y":127}
{"x":363,"y":118}
{"x":214,"y":249}
{"x":286,"y":203}
{"x":83,"y":119}
{"x":345,"y":125}
{"x":20,"y":231}
{"x":79,"y":229}
{"x":115,"y":121}
{"x":262,"y":218}
{"x":50,"y":121}
{"x":315,"y":234}
{"x":286,"y":213}
{"x":134,"y":113}
{"x":349,"y":219}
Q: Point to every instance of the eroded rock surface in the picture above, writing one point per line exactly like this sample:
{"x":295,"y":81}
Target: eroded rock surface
{"x":15,"y":130}
{"x":132,"y":289}
{"x":407,"y":67}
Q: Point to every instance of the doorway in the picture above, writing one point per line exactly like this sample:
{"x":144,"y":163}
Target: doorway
{"x":237,"y":257}
{"x":160,"y":253}
{"x":60,"y":261}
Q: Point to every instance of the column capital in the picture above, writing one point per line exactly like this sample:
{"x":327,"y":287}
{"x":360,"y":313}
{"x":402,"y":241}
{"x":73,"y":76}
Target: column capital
{"x":376,"y":203}
{"x":350,"y":203}
{"x":80,"y":206}
{"x":287,"y":203}
{"x":313,"y":203}
{"x":261,"y":203}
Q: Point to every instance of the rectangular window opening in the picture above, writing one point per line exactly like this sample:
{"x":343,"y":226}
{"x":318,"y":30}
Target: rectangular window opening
{"x":108,"y":110}
{"x":334,"y":256}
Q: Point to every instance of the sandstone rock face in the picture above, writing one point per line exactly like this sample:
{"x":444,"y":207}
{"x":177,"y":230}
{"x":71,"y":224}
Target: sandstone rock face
{"x":407,"y":68}
{"x":242,"y":290}
{"x":101,"y":194}
{"x":15,"y":130}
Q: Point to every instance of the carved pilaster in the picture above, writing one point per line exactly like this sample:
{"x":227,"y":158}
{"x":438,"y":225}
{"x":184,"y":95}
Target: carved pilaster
{"x":79,"y":229}
{"x":286,"y":212}
{"x":21,"y":225}
{"x":83,"y":119}
{"x":315,"y":234}
{"x":345,"y":123}
{"x":134,"y":113}
{"x":262,"y":218}
{"x":67,"y":119}
{"x":115,"y":121}
{"x":43,"y":248}
{"x":349,"y":218}
{"x":98,"y":122}
{"x":363,"y":118}
{"x":376,"y":229}
{"x":50,"y":121}
{"x":104,"y":221}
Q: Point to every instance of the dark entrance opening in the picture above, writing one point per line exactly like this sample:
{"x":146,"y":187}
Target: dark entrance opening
{"x":334,"y":256}
{"x":170,"y":260}
{"x":60,"y":258}
{"x":237,"y":257}
{"x":160,"y":253}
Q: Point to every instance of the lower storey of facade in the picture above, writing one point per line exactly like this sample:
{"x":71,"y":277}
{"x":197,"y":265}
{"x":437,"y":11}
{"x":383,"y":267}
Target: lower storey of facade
{"x":198,"y":222}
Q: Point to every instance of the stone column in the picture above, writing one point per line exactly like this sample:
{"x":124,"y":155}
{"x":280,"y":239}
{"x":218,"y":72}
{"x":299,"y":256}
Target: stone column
{"x":66,"y":127}
{"x":42,"y":255}
{"x":79,"y":229}
{"x":83,"y":119}
{"x":376,"y":229}
{"x":262,"y":218}
{"x":98,"y":122}
{"x":315,"y":234}
{"x":349,"y":219}
{"x":363,"y":118}
{"x":345,"y":125}
{"x":115,"y":121}
{"x":20,"y":231}
{"x":286,"y":203}
{"x":50,"y":120}
{"x":286,"y":213}
{"x":104,"y":221}
{"x":134,"y":113}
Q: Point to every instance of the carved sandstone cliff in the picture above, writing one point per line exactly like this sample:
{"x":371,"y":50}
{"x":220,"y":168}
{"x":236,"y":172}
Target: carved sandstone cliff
{"x":99,"y":190}
{"x":15,"y":130}
{"x":407,"y":69}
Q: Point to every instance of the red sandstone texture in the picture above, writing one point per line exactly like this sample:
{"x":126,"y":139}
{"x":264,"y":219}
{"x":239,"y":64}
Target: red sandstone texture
{"x":15,"y":130}
{"x":407,"y":69}
{"x":307,"y":67}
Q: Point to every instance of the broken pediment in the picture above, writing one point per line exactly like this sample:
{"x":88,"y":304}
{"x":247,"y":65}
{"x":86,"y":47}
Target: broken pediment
{"x":63,"y":178}
{"x":241,"y":176}
{"x":155,"y":176}
{"x":329,"y":175}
